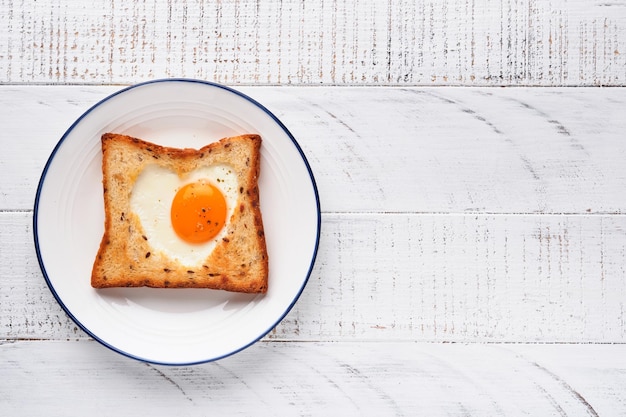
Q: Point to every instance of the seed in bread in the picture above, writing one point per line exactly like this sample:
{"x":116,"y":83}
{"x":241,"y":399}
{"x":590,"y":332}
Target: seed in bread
{"x":182,"y":218}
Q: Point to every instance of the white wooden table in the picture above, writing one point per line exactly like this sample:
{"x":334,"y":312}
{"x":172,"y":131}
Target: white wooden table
{"x":473,"y":245}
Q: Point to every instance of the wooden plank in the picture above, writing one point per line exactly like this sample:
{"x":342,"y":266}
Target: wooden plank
{"x":401,"y":379}
{"x":438,"y":150}
{"x":461,"y":149}
{"x":467,"y":278}
{"x":481,"y":42}
{"x":505,"y":278}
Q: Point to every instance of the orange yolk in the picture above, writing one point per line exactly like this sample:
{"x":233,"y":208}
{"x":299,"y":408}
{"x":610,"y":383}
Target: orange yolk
{"x":198,"y":212}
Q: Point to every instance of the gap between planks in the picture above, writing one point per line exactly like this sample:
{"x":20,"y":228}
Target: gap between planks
{"x":429,"y":213}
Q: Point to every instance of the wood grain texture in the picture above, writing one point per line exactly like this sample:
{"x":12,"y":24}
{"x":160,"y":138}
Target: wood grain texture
{"x":425,"y":42}
{"x":464,"y":278}
{"x":419,"y":150}
{"x":311,"y":379}
{"x":510,"y":150}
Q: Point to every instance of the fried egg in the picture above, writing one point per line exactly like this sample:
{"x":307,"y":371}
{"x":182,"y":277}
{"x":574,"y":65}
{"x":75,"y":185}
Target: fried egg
{"x":185,"y":217}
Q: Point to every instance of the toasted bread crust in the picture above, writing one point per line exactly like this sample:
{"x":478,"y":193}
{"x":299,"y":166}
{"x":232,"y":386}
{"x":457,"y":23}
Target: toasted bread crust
{"x":239,"y":262}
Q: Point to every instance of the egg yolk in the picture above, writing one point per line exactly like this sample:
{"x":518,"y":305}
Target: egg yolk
{"x":198,"y":212}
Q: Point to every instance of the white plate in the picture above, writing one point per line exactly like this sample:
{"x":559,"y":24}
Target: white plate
{"x":174,"y":326}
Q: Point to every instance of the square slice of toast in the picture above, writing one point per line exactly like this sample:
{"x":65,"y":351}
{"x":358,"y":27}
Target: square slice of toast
{"x":127,"y":258}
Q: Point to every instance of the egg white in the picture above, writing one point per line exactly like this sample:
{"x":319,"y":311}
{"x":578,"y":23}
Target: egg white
{"x":151,"y":200}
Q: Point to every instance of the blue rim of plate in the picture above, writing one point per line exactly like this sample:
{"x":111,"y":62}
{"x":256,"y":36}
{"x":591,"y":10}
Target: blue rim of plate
{"x":98,"y":104}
